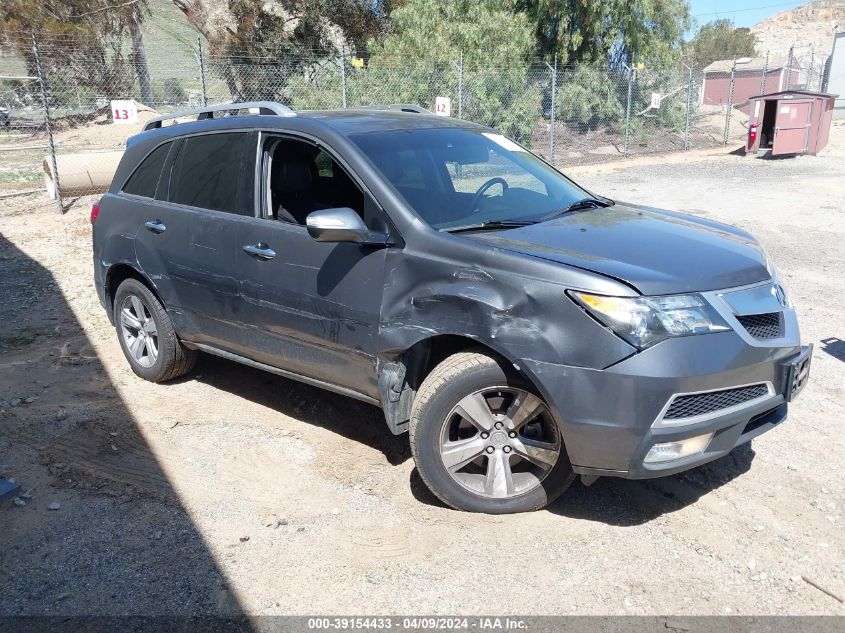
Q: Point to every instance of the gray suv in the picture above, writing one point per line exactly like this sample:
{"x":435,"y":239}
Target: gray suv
{"x":521,"y":329}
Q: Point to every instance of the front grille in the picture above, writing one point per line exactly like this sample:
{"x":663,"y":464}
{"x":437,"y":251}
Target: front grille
{"x":702,"y":403}
{"x":768,"y":325}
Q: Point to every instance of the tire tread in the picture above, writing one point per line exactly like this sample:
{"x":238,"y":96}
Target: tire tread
{"x":179,"y":360}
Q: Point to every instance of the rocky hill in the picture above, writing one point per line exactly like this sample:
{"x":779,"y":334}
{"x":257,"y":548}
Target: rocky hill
{"x":807,"y":27}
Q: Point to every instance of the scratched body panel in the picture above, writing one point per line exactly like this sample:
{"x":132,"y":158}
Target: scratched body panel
{"x":315,"y":305}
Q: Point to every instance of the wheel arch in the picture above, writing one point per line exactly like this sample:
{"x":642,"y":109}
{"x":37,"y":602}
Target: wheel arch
{"x":399,"y":379}
{"x":116,"y":275}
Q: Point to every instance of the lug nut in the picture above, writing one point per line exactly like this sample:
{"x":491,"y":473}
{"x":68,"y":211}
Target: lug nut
{"x":484,"y":436}
{"x":512,"y":434}
{"x":499,"y":425}
{"x":507,"y":449}
{"x":490,"y":449}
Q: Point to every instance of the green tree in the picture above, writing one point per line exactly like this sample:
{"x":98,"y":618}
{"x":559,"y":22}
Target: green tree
{"x":81,"y":44}
{"x":719,"y":39}
{"x":258,"y":45}
{"x":590,"y":97}
{"x":489,"y":33}
{"x":608,"y":31}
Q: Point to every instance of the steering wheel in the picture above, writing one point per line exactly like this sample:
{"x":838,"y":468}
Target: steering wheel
{"x":483,"y":188}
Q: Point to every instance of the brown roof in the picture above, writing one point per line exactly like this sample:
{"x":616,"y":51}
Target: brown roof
{"x":756,"y":63}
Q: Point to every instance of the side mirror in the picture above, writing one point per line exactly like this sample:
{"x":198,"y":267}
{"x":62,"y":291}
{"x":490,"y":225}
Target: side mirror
{"x":337,"y":225}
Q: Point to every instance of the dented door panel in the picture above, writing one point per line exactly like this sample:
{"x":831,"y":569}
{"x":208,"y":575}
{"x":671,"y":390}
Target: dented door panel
{"x":313,"y":308}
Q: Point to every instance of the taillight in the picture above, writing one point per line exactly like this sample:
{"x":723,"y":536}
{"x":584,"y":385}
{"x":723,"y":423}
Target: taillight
{"x":95,"y":211}
{"x":752,"y":135}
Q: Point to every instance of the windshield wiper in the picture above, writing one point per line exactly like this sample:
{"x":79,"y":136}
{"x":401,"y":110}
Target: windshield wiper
{"x":490,"y":225}
{"x":578,"y":205}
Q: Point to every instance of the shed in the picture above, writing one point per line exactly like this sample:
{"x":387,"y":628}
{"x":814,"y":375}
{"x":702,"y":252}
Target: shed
{"x":789,"y":122}
{"x":748,"y":79}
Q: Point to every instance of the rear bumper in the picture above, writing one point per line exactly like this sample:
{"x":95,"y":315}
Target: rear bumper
{"x":611,"y":418}
{"x":100,"y":284}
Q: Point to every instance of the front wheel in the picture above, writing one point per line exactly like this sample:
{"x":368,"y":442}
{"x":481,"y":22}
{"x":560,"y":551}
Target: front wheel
{"x":483,"y":441}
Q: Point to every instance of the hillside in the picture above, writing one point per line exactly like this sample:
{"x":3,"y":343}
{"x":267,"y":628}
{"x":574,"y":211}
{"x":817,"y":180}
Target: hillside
{"x":808,"y":26}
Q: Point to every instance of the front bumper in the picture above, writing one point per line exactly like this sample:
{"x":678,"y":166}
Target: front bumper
{"x":611,"y":418}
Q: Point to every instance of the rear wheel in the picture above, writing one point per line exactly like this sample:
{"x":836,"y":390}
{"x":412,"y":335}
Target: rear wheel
{"x":484,"y":441}
{"x":146,"y":334}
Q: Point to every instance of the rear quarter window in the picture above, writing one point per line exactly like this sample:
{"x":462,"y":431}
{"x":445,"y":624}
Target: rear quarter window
{"x":214,"y":171}
{"x":144,"y":181}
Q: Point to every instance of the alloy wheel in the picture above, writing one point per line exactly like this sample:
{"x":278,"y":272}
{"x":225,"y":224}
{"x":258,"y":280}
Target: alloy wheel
{"x":139,"y":331}
{"x":500,"y":442}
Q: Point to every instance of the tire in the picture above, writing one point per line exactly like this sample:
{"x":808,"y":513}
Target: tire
{"x":516,"y":471}
{"x":153,"y":350}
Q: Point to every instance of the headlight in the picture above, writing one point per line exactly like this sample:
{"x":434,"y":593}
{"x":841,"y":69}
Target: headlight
{"x":644,"y":321}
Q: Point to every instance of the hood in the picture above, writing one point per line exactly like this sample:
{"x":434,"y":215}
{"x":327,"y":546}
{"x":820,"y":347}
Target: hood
{"x":657,"y":252}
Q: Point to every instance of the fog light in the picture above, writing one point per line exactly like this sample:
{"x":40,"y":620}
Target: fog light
{"x":669,"y":451}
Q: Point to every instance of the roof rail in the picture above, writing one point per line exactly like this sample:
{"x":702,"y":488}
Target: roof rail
{"x":402,"y":107}
{"x":207,"y":112}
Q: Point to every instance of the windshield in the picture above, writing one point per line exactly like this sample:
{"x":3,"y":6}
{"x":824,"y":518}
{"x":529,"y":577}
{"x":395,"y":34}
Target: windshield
{"x":456,"y":177}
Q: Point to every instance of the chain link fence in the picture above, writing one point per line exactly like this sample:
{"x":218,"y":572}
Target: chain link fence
{"x":569,"y":114}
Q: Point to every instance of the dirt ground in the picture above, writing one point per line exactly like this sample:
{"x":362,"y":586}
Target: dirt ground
{"x":234,"y":491}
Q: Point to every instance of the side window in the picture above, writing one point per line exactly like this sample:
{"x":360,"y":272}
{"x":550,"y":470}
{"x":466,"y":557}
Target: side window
{"x":214,"y":171}
{"x":301,"y":178}
{"x":144,"y":180}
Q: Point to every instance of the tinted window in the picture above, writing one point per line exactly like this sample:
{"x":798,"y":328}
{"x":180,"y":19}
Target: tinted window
{"x":214,"y":171}
{"x":453,"y":177}
{"x":145,"y":179}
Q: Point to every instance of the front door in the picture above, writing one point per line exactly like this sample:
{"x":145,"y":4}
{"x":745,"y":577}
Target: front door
{"x":792,"y":126}
{"x":312,"y":308}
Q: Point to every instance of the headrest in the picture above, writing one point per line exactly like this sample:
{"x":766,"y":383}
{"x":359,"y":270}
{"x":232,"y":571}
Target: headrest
{"x":291,"y":173}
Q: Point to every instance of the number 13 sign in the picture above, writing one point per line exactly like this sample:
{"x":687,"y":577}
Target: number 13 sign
{"x":124,"y":111}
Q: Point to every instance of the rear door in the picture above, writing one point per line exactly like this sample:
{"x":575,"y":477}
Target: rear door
{"x":792,"y":126}
{"x":186,"y":241}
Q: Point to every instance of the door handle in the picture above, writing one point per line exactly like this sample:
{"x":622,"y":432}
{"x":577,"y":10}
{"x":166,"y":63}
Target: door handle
{"x":260,"y":251}
{"x":155,"y":226}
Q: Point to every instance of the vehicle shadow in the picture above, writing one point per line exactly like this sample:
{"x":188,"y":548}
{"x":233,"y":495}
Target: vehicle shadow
{"x":98,"y":529}
{"x":626,"y":503}
{"x":350,"y":418}
{"x":835,"y":347}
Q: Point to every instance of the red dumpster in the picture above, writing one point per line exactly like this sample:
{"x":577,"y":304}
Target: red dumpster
{"x":788,"y":122}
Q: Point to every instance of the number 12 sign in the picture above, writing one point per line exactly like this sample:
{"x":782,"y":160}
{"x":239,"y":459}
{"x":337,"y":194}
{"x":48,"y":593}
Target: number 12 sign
{"x":442,"y":106}
{"x":124,"y":111}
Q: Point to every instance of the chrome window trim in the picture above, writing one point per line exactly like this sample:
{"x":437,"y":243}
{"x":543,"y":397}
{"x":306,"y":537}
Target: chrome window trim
{"x":659,"y":422}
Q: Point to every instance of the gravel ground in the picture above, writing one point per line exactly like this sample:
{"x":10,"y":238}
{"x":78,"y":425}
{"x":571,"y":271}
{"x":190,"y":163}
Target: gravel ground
{"x":235,"y":491}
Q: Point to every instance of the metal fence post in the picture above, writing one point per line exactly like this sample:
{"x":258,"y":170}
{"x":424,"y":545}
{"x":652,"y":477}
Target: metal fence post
{"x":730,"y":102}
{"x":628,"y":109}
{"x":202,"y":71}
{"x":810,"y":68}
{"x":765,"y":72}
{"x":789,"y":68}
{"x":342,"y":62}
{"x":552,"y":112}
{"x":689,"y":105}
{"x":46,"y":104}
{"x":461,"y":86}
